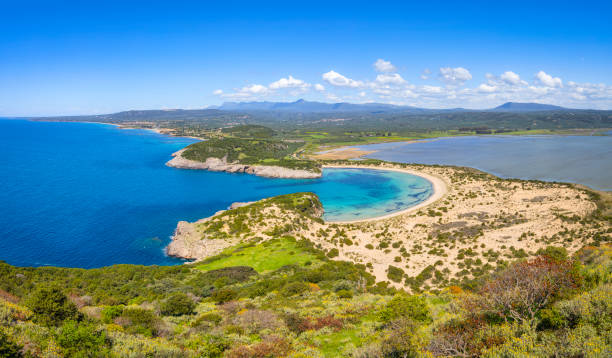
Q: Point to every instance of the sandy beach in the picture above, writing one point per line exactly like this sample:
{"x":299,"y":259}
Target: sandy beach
{"x":472,"y":212}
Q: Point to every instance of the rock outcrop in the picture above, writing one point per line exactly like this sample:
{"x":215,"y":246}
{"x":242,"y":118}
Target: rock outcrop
{"x":187,"y":243}
{"x":221,"y":165}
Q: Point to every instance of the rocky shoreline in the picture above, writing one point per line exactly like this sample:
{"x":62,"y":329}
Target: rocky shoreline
{"x":221,"y":165}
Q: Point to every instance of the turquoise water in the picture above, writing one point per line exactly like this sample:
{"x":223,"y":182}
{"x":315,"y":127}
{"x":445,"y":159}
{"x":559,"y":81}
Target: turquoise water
{"x":90,"y":195}
{"x":576,"y":159}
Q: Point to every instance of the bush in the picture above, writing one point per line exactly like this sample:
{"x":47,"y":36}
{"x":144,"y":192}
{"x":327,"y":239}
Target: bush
{"x":177,"y":305}
{"x":51,"y":307}
{"x":553,"y":252}
{"x":109,"y":313}
{"x":81,"y":340}
{"x":295,"y":288}
{"x":139,"y":320}
{"x":224,"y":295}
{"x":210,"y":317}
{"x":333,"y":253}
{"x":404,"y":306}
{"x":8,"y":348}
{"x":395,"y":273}
{"x":345,"y":294}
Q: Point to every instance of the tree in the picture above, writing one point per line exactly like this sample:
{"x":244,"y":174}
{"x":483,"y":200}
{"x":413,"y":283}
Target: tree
{"x":51,"y":307}
{"x":520,"y":291}
{"x":177,"y":305}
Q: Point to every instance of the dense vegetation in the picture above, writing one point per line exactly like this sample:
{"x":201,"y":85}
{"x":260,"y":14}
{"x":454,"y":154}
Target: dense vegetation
{"x":550,"y":305}
{"x":250,"y":151}
{"x":357,"y":127}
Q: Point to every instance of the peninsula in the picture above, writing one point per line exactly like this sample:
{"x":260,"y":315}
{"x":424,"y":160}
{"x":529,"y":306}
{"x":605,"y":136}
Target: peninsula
{"x":463,"y":231}
{"x":263,"y":157}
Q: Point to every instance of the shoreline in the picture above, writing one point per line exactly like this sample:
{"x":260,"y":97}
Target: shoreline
{"x":221,"y":165}
{"x":439,"y":191}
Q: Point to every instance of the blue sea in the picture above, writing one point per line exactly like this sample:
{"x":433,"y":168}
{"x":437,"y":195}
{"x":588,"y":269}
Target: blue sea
{"x":575,"y":159}
{"x":91,"y":195}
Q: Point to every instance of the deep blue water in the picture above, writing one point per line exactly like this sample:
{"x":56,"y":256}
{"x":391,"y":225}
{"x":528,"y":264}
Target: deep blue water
{"x":90,"y":195}
{"x":576,"y":159}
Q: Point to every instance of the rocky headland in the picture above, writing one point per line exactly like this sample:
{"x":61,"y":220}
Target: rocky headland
{"x":221,"y":165}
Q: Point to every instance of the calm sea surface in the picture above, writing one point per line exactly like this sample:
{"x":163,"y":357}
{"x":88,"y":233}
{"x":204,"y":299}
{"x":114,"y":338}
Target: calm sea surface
{"x":577,"y":159}
{"x":90,"y":195}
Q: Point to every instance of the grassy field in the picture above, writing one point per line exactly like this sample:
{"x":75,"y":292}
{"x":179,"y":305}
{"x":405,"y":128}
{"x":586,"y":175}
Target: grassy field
{"x":269,"y":256}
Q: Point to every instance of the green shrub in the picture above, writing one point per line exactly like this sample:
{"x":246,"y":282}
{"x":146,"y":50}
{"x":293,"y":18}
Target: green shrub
{"x":345,"y":294}
{"x":139,"y":320}
{"x":210,"y":317}
{"x":109,"y":313}
{"x":333,"y":253}
{"x":51,"y":307}
{"x":404,"y":306}
{"x":395,"y":273}
{"x":8,"y":348}
{"x":177,"y":305}
{"x":224,"y":295}
{"x":295,"y":288}
{"x":554,"y":252}
{"x":81,"y":340}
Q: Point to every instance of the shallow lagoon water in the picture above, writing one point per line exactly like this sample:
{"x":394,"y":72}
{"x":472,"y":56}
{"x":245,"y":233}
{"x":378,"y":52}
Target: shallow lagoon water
{"x":90,"y":195}
{"x":576,"y":159}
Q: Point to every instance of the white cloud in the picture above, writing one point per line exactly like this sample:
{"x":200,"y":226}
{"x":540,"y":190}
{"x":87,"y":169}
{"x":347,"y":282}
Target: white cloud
{"x":425,"y":74}
{"x":289,"y":82}
{"x":336,"y":79}
{"x":245,"y":92}
{"x":455,"y":76}
{"x":486,"y":88}
{"x":548,"y":80}
{"x":511,"y":78}
{"x":254,"y":89}
{"x":432,"y":89}
{"x":393,"y":78}
{"x":391,"y":87}
{"x":383,"y":66}
{"x":538,"y":90}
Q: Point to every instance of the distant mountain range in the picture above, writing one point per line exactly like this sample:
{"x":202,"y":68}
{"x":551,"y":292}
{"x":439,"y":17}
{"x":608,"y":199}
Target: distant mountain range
{"x":313,"y":107}
{"x":231,"y":112}
{"x":527,"y":107}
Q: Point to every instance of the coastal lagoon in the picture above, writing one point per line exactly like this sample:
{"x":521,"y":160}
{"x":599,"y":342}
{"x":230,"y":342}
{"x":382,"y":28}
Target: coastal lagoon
{"x":576,"y":159}
{"x":90,"y":195}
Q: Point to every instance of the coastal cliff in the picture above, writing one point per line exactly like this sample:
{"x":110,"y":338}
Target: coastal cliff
{"x":264,"y":219}
{"x":221,"y":165}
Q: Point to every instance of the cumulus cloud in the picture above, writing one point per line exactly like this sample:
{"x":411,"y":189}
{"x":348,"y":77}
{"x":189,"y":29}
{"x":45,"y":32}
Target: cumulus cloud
{"x":254,"y":89}
{"x":454,"y":76}
{"x":384,"y":66}
{"x":391,"y":87}
{"x":393,"y":78}
{"x":548,"y":80}
{"x":336,"y":79}
{"x":289,"y":82}
{"x":486,"y":88}
{"x":511,"y":78}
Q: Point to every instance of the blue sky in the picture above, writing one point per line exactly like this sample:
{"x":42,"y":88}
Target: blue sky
{"x":85,"y":57}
